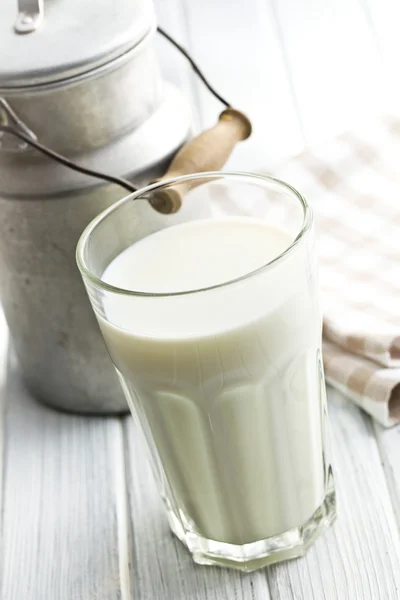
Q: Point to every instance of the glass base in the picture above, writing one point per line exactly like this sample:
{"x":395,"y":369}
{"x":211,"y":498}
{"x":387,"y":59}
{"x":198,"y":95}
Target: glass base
{"x":249,"y":557}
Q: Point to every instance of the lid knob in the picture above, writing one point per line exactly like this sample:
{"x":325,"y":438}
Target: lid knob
{"x":30,"y":15}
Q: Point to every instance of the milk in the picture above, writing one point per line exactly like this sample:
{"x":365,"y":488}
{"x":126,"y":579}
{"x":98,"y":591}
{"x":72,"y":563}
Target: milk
{"x":225,"y":382}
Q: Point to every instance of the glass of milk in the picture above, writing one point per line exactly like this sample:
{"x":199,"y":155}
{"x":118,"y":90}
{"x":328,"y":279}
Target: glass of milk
{"x":211,"y":317}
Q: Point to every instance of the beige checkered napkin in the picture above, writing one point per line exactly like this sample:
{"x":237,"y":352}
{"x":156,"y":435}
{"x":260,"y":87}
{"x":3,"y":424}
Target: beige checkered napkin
{"x":353,"y":184}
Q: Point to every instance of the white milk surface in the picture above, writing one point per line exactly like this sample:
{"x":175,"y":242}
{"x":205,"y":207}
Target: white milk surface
{"x":225,"y":382}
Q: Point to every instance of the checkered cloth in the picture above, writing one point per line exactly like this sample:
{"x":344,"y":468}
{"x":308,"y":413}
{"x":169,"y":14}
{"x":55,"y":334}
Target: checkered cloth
{"x":353,"y":184}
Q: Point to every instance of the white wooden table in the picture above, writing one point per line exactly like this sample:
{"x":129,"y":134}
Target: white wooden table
{"x":80,"y":516}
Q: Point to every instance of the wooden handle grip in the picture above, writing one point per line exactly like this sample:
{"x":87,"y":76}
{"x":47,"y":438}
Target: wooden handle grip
{"x":207,"y":152}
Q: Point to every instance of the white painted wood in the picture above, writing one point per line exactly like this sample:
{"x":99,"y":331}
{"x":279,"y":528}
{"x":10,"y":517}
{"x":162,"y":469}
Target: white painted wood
{"x":334,"y":63}
{"x":389,"y":448}
{"x":162,"y":568}
{"x":59,"y":535}
{"x":359,"y":558}
{"x":237,"y":46}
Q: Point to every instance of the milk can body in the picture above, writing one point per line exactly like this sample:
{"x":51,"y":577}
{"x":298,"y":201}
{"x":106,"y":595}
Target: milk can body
{"x":114,"y":114}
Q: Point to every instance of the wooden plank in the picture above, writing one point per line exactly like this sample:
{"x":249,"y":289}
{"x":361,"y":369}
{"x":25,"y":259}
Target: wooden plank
{"x":359,"y":558}
{"x":334,"y":63}
{"x":389,"y":448}
{"x":238,"y":49}
{"x":59,"y":537}
{"x":162,"y":568}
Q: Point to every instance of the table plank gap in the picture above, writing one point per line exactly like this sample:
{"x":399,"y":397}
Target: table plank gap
{"x":124,"y":529}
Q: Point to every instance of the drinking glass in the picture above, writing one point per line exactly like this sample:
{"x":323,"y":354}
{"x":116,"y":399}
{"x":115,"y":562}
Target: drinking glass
{"x":226,"y":382}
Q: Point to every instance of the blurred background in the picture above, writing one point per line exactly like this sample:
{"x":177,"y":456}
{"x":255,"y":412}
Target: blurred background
{"x":302,"y":70}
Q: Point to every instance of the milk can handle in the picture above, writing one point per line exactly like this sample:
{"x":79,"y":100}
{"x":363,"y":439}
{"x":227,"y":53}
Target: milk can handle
{"x":209,"y":151}
{"x":30,"y":15}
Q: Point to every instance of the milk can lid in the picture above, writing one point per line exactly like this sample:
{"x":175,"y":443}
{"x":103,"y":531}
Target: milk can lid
{"x":58,"y":39}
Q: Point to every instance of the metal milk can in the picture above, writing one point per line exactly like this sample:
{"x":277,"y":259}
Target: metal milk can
{"x":83,"y":79}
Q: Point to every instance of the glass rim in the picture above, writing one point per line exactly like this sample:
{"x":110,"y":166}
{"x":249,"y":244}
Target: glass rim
{"x":211,"y":175}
